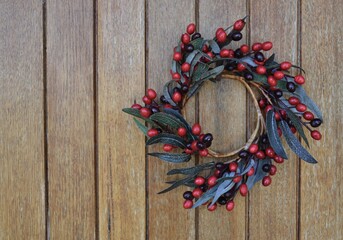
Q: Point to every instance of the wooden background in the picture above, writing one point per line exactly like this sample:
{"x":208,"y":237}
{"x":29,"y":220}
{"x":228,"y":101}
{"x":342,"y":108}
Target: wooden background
{"x":73,"y":166}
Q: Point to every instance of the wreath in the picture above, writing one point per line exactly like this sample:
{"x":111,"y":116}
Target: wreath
{"x":283,"y":110}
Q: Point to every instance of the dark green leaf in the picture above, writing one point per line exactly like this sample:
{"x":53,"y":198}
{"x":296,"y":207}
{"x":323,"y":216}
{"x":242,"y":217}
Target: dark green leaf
{"x":191,"y":170}
{"x":295,"y":145}
{"x":195,"y":88}
{"x":191,"y":56}
{"x":273,"y":135}
{"x":172,"y":157}
{"x":199,"y":71}
{"x":297,"y":124}
{"x":270,"y":60}
{"x":167,"y":120}
{"x":214,"y":46}
{"x":141,"y":126}
{"x":259,"y":78}
{"x":212,"y":73}
{"x":167,"y":138}
{"x":135,"y":112}
{"x":177,"y":184}
{"x":197,"y":43}
{"x":167,"y":94}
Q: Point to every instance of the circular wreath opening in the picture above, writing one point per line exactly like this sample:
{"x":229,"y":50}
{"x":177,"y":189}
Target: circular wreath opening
{"x":283,"y":111}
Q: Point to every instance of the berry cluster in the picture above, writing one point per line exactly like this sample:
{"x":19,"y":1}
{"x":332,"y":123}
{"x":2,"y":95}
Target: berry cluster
{"x":283,"y":110}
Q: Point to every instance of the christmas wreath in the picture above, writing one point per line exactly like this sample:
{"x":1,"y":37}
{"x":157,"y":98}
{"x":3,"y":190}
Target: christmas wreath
{"x":283,"y":110}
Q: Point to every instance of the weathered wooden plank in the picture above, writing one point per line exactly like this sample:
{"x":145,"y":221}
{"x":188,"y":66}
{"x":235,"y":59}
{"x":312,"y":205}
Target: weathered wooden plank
{"x":322,"y":57}
{"x":121,"y":80}
{"x":273,"y":210}
{"x":22,"y":184}
{"x":222,"y":109}
{"x":70,"y":105}
{"x":167,"y":20}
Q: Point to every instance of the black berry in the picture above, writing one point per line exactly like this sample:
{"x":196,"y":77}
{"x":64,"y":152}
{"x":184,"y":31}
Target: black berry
{"x":203,"y":187}
{"x":248,"y":76}
{"x":200,"y":145}
{"x":222,"y":200}
{"x":189,"y":48}
{"x":316,"y":122}
{"x":259,"y":57}
{"x":163,"y":99}
{"x":243,"y":153}
{"x":155,"y":109}
{"x":238,"y":53}
{"x":290,"y":87}
{"x":266,"y":167}
{"x":188,"y":195}
{"x":184,"y":88}
{"x":208,"y":137}
{"x":236,"y":36}
{"x":278,"y":93}
{"x":219,"y":165}
{"x":196,"y":35}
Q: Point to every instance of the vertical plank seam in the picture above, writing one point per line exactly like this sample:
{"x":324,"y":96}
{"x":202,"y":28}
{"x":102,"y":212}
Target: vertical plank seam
{"x":45,"y":109}
{"x":299,"y":61}
{"x":247,"y":99}
{"x":146,"y":55}
{"x":197,"y":107}
{"x":95,"y":112}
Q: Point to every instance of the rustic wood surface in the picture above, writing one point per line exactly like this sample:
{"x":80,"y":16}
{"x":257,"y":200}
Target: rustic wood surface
{"x":74,"y":166}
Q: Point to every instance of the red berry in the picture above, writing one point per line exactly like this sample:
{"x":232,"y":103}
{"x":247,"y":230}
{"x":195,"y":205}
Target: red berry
{"x":279,"y":131}
{"x":237,"y":179}
{"x":185,"y":38}
{"x":182,"y":131}
{"x":239,"y":25}
{"x":221,"y":37}
{"x":271,"y":81}
{"x":316,"y":135}
{"x":188,"y":151}
{"x":191,"y":28}
{"x":245,"y":48}
{"x":145,"y":112}
{"x":219,"y":30}
{"x":308,"y":115}
{"x":256,"y":47}
{"x":293,"y":101}
{"x":217,"y":173}
{"x":266,"y":181}
{"x":146,"y":100}
{"x":197,"y":193}
{"x":268,"y":108}
{"x":231,"y":53}
{"x":203,"y":153}
{"x":194,"y":145}
{"x":260,"y":155}
{"x":233,"y":167}
{"x":230,"y":205}
{"x":224,"y":53}
{"x":176,"y":76}
{"x":266,"y":46}
{"x":185,"y":67}
{"x":210,"y":54}
{"x":241,"y":67}
{"x":196,"y":129}
{"x":152,"y":132}
{"x":285,"y":65}
{"x":167,"y":105}
{"x":262,"y":102}
{"x":277,"y":116}
{"x":187,"y":204}
{"x":278,"y":75}
{"x":270,"y":152}
{"x":272,"y":170}
{"x":251,"y":172}
{"x":177,"y":97}
{"x":253,"y":148}
{"x":167,"y":147}
{"x":212,"y":208}
{"x":293,"y":129}
{"x":301,"y":107}
{"x":199,"y":181}
{"x":151,"y":94}
{"x":177,"y":56}
{"x":205,"y":48}
{"x":211,"y":181}
{"x":136,"y":106}
{"x":243,"y":189}
{"x":299,"y":79}
{"x":283,"y":113}
{"x":278,"y":159}
{"x":261,"y":69}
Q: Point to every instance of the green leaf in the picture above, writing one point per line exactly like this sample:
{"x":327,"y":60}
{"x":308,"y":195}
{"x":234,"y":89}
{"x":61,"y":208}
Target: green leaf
{"x":135,"y":112}
{"x":167,"y":120}
{"x":191,"y":170}
{"x":141,"y":126}
{"x":295,"y":145}
{"x":197,"y":43}
{"x":199,"y":71}
{"x":191,"y":56}
{"x":214,"y":46}
{"x":172,"y":157}
{"x":259,"y":78}
{"x":178,"y":183}
{"x":166,"y":92}
{"x":273,"y":135}
{"x":270,"y":60}
{"x":297,"y":124}
{"x":305,"y":99}
{"x":167,"y":138}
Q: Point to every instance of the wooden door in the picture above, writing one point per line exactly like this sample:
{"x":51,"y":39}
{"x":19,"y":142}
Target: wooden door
{"x":74,"y":166}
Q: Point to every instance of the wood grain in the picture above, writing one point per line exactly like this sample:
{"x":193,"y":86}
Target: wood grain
{"x":222,"y":112}
{"x":22,"y":184}
{"x":322,"y":57}
{"x":121,"y":80}
{"x":70,"y":106}
{"x":167,"y":20}
{"x":273,"y":210}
